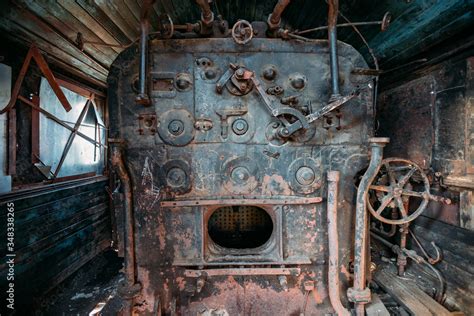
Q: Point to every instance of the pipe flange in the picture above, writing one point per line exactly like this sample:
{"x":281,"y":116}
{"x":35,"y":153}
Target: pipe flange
{"x":176,"y":174}
{"x":273,"y":26}
{"x":241,"y":175}
{"x":304,"y":176}
{"x":207,"y":21}
{"x":176,"y":127}
{"x":358,"y":295}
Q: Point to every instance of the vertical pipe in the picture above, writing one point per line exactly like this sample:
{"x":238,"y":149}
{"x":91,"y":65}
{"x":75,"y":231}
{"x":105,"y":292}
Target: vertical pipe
{"x":359,"y":294}
{"x":129,"y":245}
{"x":142,"y":96}
{"x":333,"y":243}
{"x":275,"y":17}
{"x":402,"y":258}
{"x":332,"y":39}
{"x":206,"y":13}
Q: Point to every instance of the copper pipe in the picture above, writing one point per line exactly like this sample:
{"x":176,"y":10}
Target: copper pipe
{"x":359,"y":293}
{"x":131,"y":287}
{"x":333,"y":243}
{"x":401,"y":258}
{"x":275,"y":17}
{"x":332,"y":39}
{"x":206,"y":13}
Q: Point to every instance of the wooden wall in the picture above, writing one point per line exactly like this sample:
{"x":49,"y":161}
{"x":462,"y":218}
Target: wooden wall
{"x":429,"y":116}
{"x":57,"y":230}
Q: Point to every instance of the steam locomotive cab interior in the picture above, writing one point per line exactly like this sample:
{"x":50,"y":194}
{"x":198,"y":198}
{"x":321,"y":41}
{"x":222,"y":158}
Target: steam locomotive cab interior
{"x":231,"y":166}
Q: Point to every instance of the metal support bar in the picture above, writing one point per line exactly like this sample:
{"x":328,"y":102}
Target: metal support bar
{"x":12,"y":142}
{"x":35,"y":54}
{"x":333,"y":245}
{"x":130,"y":288}
{"x":332,"y":38}
{"x":72,"y":136}
{"x":246,"y":201}
{"x":242,"y":271}
{"x":142,"y":96}
{"x":359,"y":294}
{"x":35,"y":141}
{"x":57,"y":120}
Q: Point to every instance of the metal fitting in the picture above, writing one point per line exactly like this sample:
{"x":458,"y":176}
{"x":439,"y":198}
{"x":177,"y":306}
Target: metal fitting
{"x":359,"y":296}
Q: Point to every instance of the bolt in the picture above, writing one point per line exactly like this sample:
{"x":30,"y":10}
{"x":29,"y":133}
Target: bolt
{"x":240,"y":174}
{"x":210,"y":74}
{"x":305,"y":176}
{"x":269,"y":73}
{"x":239,"y":73}
{"x":176,"y":127}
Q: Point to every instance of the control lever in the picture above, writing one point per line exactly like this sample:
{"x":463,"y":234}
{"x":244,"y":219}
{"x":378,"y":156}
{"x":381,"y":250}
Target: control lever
{"x":273,"y":104}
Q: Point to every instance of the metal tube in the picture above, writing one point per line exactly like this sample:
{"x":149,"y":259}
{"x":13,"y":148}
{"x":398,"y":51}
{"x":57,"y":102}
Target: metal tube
{"x":332,"y":38}
{"x":206,"y":13}
{"x":142,"y":96}
{"x":333,"y":243}
{"x":129,"y":240}
{"x":359,"y":294}
{"x":402,"y":258}
{"x":275,"y":17}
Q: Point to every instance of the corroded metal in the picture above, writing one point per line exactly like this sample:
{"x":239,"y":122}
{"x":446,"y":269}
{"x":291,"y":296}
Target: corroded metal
{"x":359,"y":293}
{"x":185,"y":173}
{"x":333,"y":245}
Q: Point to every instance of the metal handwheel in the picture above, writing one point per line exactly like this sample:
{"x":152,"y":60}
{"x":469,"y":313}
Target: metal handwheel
{"x":242,"y":32}
{"x":392,"y":188}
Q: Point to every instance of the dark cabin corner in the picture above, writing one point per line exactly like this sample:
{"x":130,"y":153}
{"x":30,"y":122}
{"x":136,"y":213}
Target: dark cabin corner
{"x":220,"y":158}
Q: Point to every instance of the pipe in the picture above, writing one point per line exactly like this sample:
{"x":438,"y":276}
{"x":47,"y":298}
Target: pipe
{"x":401,"y":258}
{"x":142,"y":96}
{"x":359,"y":294}
{"x":131,"y":287}
{"x":207,"y":16}
{"x":332,"y":38}
{"x":393,"y":227}
{"x":274,"y":18}
{"x":333,"y":243}
{"x":439,"y":294}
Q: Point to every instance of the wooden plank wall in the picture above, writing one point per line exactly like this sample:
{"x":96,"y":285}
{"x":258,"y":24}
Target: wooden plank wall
{"x":56,"y":232}
{"x":428,"y":117}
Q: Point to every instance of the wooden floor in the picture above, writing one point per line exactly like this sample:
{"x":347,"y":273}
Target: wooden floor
{"x":407,"y":293}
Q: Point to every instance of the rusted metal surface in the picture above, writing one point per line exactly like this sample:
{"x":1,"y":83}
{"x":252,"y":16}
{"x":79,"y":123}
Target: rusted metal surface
{"x":242,"y":271}
{"x":333,"y":244}
{"x":130,"y":287}
{"x":275,"y":17}
{"x":218,"y":151}
{"x":247,"y":201}
{"x":359,"y":293}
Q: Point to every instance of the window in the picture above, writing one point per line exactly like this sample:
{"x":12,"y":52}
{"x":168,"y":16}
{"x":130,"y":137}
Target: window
{"x":61,"y":153}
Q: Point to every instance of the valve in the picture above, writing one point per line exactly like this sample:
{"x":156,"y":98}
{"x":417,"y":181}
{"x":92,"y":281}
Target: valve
{"x":392,"y":188}
{"x":242,"y":32}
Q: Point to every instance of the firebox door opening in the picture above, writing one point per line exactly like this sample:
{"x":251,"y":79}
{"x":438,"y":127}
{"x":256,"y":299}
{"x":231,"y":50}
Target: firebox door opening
{"x":240,"y":227}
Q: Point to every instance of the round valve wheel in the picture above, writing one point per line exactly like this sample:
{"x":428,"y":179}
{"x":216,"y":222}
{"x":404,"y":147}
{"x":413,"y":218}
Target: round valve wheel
{"x":242,"y":32}
{"x":165,"y":26}
{"x":391,"y":188}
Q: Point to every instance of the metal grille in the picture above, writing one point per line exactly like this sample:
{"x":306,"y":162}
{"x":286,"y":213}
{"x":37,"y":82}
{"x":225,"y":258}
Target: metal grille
{"x":240,"y":226}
